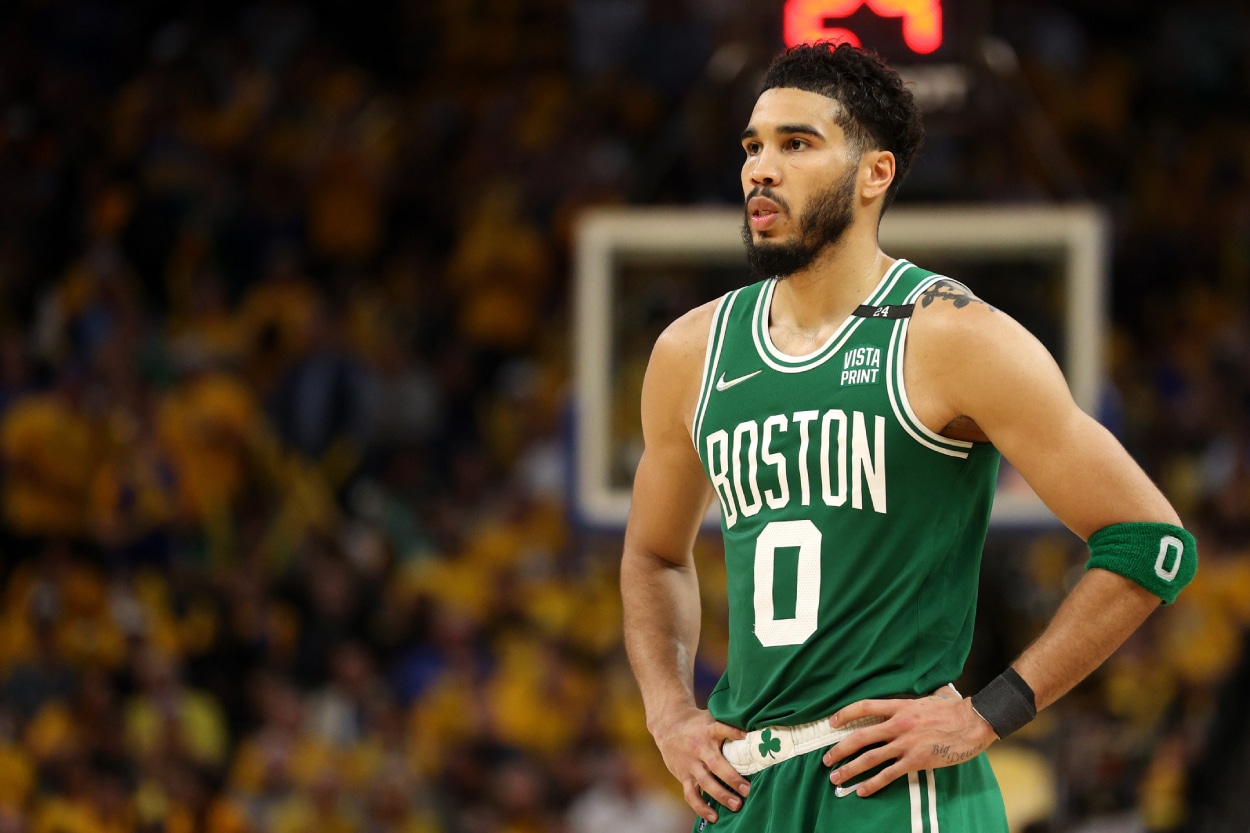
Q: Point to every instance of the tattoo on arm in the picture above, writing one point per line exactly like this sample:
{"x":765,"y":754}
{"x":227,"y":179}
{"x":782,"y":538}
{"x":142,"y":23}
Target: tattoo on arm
{"x":950,"y":291}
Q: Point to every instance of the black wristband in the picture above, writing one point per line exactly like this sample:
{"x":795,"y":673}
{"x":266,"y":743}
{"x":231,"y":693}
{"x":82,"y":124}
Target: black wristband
{"x":1007,"y":703}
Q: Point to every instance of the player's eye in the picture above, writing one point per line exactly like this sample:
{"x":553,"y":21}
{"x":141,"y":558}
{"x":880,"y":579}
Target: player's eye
{"x":752,"y":148}
{"x":797,"y":144}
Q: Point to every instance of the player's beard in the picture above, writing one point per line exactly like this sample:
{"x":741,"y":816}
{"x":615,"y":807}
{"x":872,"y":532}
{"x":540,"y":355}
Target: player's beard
{"x":820,"y":226}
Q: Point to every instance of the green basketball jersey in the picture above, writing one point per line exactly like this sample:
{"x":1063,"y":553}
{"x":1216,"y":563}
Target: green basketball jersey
{"x":853,"y":533}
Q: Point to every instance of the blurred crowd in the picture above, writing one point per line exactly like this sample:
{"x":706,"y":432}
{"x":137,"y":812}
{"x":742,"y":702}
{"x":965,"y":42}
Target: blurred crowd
{"x":284,"y":326}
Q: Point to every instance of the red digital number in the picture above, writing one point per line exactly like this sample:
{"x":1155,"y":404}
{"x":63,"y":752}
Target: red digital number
{"x":805,"y":21}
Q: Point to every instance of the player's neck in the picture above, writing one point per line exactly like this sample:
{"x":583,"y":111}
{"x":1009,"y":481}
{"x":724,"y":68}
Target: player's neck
{"x":839,"y":280}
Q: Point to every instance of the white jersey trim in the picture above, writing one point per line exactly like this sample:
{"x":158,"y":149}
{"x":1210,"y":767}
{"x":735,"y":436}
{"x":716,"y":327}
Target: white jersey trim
{"x":933,"y":815}
{"x":897,"y":389}
{"x":711,"y":356}
{"x":783,"y":363}
{"x":911,"y":299}
{"x":894,"y":379}
{"x":917,"y":812}
{"x":915,"y":792}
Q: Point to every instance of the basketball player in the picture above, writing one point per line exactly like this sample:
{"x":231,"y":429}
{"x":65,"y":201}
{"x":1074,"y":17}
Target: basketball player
{"x":848,"y":412}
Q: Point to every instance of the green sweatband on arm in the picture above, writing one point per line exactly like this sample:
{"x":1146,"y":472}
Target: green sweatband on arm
{"x":1162,"y":558}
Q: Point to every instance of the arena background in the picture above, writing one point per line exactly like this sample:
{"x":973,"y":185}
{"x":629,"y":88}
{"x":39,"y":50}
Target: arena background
{"x":286,"y":416}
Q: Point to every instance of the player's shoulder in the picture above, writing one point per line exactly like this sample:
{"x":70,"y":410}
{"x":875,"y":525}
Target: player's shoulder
{"x":673,"y":375}
{"x":948,"y":314}
{"x":685,"y":340}
{"x":958,"y":336}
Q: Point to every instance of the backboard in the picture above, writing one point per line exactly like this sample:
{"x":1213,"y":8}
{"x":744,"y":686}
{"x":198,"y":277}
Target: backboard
{"x":638,"y":269}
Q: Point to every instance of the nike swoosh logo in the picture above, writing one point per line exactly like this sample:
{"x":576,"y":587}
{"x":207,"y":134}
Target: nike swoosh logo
{"x":722,"y":385}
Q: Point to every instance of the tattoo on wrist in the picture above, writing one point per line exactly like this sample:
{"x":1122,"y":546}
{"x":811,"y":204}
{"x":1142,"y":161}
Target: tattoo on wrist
{"x":953,"y":292}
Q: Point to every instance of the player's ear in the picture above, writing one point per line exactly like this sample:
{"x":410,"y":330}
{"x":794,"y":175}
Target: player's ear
{"x":876,"y":172}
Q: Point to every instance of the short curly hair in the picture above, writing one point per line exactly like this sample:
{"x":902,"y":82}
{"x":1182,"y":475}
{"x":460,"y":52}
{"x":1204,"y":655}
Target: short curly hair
{"x":877,"y":111}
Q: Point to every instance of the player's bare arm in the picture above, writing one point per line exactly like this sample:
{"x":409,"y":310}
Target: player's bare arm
{"x":658,"y":582}
{"x":974,"y":373}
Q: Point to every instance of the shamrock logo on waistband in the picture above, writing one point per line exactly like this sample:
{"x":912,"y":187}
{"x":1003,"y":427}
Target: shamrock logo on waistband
{"x":770,"y":744}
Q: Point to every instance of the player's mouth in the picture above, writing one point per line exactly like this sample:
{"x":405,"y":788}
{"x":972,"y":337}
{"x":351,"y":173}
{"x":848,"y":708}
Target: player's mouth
{"x":763,"y":213}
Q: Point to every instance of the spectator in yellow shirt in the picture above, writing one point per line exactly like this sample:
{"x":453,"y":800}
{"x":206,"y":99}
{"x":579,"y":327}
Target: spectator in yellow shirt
{"x":49,"y":450}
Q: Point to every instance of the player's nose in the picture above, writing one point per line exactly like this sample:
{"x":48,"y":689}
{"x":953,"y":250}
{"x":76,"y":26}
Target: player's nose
{"x":763,"y":169}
